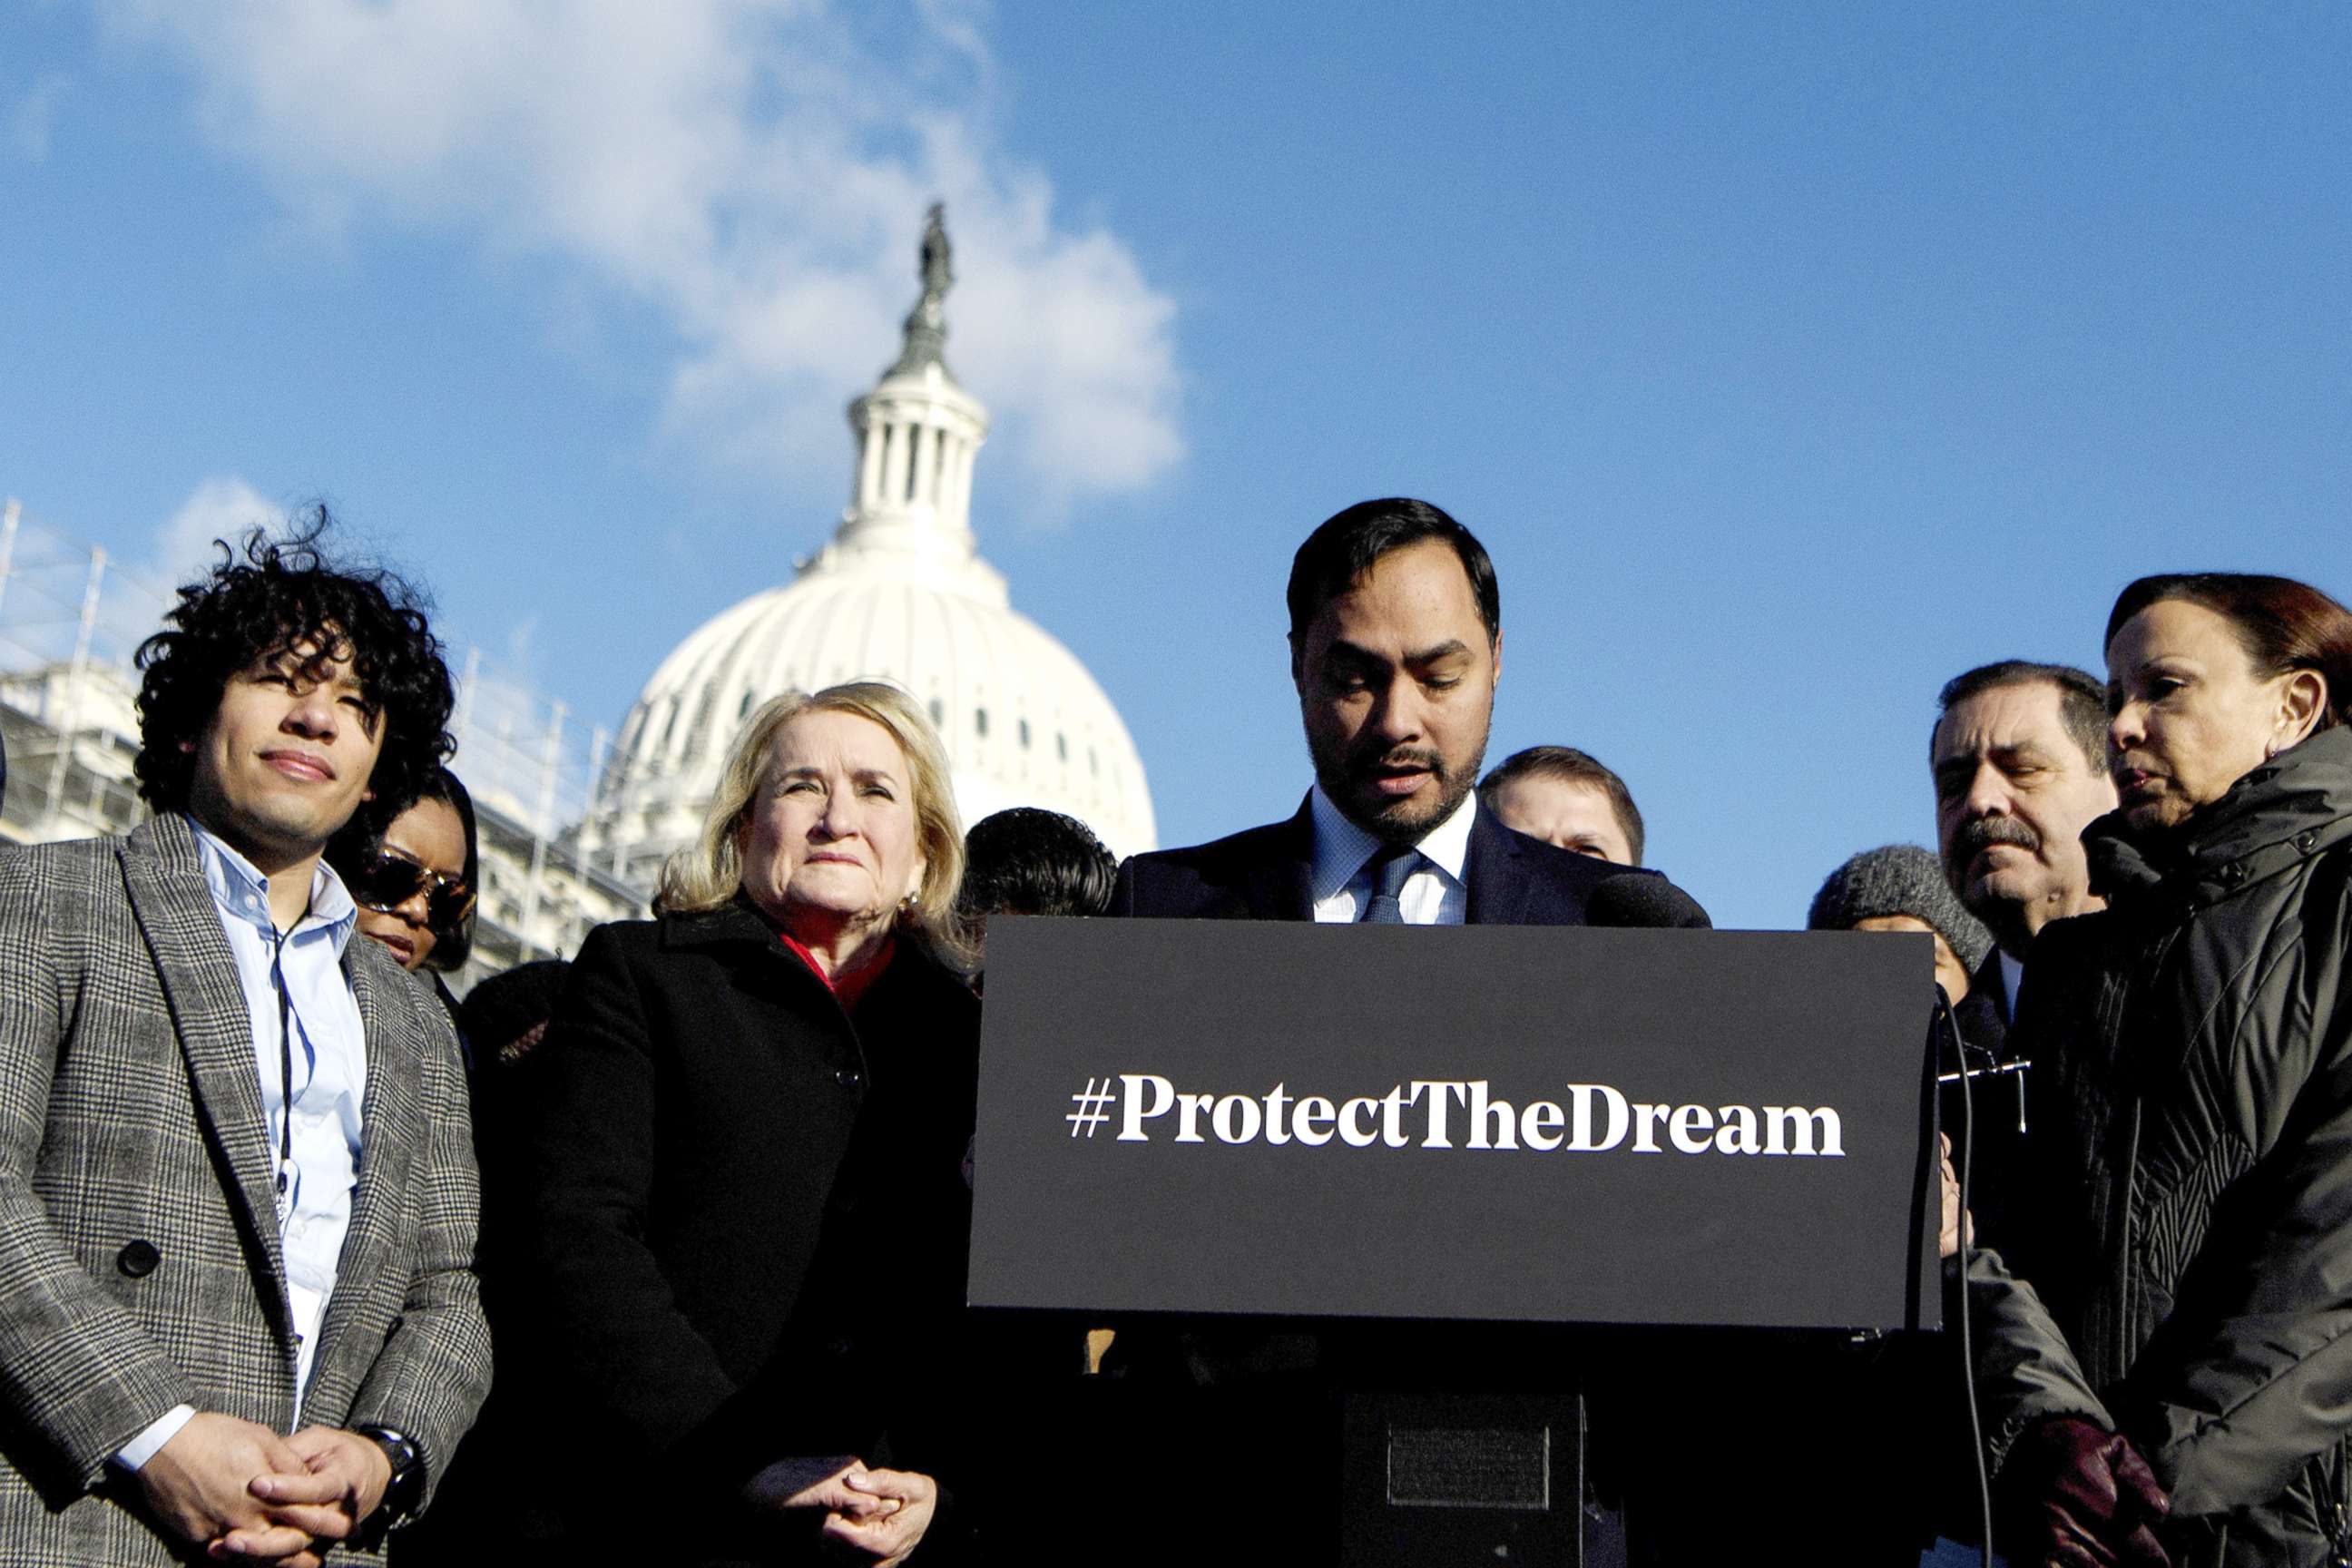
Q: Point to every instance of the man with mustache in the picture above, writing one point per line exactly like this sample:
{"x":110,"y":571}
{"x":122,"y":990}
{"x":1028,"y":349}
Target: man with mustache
{"x":1396,"y":648}
{"x":2019,"y":755}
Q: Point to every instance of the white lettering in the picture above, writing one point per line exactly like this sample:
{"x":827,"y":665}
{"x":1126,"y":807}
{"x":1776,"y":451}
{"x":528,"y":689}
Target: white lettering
{"x":1692,"y":1125}
{"x":1445,"y":1089}
{"x":1593,"y":1119}
{"x":1492,"y":1121}
{"x":1275,"y":1099}
{"x":1737,"y":1133}
{"x":1392,"y":1106}
{"x":1236,"y":1119}
{"x":1134,"y":1111}
{"x":1580,"y":1097}
{"x":1793,"y":1124}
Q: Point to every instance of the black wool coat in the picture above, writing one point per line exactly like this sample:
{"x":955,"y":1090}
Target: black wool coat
{"x":746,"y":1209}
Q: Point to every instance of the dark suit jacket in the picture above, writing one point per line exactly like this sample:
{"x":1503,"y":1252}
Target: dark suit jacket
{"x":747,"y":1214}
{"x":1262,"y":874}
{"x":140,"y":1262}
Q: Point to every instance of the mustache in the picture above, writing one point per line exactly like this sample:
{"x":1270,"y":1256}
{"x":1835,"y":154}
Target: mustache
{"x":1367,"y":761}
{"x":1982,"y":833}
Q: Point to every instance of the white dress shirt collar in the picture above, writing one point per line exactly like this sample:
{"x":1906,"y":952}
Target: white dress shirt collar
{"x":1341,"y":849}
{"x":238,"y":887}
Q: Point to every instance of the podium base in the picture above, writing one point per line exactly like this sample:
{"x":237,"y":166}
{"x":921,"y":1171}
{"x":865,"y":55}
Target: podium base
{"x":1455,"y":1480}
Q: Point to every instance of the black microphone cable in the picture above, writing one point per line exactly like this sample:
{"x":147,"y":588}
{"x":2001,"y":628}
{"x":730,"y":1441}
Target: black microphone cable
{"x":1966,"y":1163}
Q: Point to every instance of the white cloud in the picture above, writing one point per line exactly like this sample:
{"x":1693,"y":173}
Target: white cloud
{"x":751,"y":168}
{"x":221,"y":508}
{"x":31,"y":117}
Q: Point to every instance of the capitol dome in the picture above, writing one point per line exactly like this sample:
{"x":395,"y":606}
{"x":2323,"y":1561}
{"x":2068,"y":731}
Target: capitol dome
{"x":901,"y":594}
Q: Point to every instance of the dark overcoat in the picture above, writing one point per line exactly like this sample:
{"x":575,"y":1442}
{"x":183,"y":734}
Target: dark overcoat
{"x":748,"y":1207}
{"x":2192,"y":1049}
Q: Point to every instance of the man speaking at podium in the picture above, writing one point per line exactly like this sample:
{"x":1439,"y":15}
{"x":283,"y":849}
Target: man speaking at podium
{"x":1396,"y":646}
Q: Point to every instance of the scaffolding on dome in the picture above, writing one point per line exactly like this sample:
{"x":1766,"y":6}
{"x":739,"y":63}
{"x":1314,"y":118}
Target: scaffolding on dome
{"x":71,"y":620}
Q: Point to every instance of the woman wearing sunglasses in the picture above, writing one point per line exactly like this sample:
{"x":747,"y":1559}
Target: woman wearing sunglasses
{"x":414,"y":876}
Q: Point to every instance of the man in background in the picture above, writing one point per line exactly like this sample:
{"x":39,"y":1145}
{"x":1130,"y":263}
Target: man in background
{"x":2019,"y":755}
{"x":1569,"y":799}
{"x":1031,"y":861}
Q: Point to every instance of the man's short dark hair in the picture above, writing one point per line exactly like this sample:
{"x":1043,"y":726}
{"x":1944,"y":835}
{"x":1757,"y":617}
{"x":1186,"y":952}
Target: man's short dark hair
{"x":1339,"y":554}
{"x":265,"y":601}
{"x":1569,"y":765}
{"x":2081,"y":699}
{"x":1031,"y":861}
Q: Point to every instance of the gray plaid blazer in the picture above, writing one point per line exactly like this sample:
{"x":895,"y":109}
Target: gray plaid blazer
{"x":140,"y":1264}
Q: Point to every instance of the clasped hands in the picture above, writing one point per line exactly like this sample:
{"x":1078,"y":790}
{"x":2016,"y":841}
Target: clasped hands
{"x":881,"y":1514}
{"x":249,"y":1493}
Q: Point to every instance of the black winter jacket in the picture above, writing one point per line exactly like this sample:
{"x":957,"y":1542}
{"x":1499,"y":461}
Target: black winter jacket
{"x":749,"y":1216}
{"x":2193,"y":1144}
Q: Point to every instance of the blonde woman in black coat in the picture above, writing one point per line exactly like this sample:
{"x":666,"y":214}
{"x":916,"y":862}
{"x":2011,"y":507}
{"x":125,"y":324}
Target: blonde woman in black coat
{"x":752,"y":1112}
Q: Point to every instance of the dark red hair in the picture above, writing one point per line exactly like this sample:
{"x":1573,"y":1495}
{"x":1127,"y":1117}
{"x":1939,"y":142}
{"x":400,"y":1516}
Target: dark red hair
{"x":2283,"y":624}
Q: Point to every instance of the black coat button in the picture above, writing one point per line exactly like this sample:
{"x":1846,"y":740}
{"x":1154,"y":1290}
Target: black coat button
{"x":138,"y":1259}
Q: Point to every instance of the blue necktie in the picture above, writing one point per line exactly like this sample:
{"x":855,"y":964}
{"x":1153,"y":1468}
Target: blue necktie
{"x":1389,"y":868}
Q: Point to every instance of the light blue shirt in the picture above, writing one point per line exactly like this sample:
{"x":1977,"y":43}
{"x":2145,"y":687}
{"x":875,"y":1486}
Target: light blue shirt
{"x":1434,"y":895}
{"x":329,"y":1049}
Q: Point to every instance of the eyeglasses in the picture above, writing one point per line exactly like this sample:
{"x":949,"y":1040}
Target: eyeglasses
{"x":388,"y":880}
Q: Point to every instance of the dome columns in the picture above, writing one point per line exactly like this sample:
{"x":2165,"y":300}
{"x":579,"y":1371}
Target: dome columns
{"x":918,"y":437}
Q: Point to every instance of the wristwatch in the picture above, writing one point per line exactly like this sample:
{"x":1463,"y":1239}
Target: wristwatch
{"x":405,"y":1490}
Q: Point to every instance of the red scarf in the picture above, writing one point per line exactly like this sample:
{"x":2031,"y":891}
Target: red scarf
{"x":850,"y":989}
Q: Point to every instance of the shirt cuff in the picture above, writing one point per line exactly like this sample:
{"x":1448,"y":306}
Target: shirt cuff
{"x":144,"y":1446}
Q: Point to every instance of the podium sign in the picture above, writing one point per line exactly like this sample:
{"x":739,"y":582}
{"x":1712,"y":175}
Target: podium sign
{"x":1497,"y":1122}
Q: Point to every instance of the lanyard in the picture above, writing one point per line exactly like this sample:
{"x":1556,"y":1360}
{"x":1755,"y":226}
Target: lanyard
{"x":284,"y":1060}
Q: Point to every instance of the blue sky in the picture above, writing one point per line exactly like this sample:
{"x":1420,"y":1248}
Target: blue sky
{"x":1787,"y":358}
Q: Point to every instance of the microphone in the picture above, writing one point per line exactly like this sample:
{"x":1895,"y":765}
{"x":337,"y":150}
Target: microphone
{"x":1644,"y":899}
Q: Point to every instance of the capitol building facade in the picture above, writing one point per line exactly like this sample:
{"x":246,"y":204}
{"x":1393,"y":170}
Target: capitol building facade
{"x":574,"y":824}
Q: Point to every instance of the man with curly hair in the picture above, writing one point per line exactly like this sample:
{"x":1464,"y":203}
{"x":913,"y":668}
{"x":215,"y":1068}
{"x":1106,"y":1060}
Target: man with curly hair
{"x":237,"y":1199}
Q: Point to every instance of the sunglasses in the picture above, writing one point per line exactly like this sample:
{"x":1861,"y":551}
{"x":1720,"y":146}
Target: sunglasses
{"x":388,"y":880}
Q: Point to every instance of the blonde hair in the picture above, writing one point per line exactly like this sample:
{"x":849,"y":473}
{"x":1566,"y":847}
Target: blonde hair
{"x":709,"y":872}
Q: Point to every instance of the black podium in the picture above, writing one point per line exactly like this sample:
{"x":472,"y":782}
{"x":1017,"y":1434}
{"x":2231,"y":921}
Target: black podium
{"x":1417,"y":1183}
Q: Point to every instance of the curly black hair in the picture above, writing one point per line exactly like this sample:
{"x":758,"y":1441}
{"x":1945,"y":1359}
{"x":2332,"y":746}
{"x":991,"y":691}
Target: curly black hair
{"x":263,"y":602}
